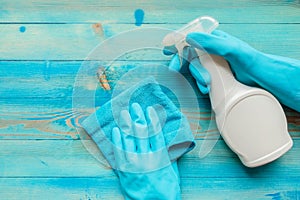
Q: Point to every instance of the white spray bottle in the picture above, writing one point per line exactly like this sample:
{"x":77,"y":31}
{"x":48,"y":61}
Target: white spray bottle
{"x":250,"y":120}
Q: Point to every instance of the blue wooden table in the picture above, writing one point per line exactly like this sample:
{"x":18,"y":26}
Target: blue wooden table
{"x":42,"y":45}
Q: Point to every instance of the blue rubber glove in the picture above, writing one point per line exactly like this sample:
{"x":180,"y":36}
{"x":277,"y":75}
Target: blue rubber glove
{"x":276,"y":74}
{"x":143,"y":165}
{"x":189,"y":62}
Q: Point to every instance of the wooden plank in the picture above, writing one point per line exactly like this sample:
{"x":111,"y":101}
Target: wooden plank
{"x":90,"y":4}
{"x":35,"y":97}
{"x":240,"y":188}
{"x":40,"y":106}
{"x":76,"y":41}
{"x":108,"y":189}
{"x":60,"y":188}
{"x":41,"y":118}
{"x":32,"y":79}
{"x":244,"y":11}
{"x":70,"y":158}
{"x":54,"y":158}
{"x":55,"y":119}
{"x":36,"y":100}
{"x":63,"y":80}
{"x":222,"y":162}
{"x":50,"y":119}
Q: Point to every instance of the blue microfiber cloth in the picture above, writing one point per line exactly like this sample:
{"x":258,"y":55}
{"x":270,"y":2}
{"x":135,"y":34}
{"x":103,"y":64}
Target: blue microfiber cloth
{"x":178,"y":135}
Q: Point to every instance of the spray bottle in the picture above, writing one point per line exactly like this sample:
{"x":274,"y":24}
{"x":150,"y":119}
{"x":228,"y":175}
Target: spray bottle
{"x":250,"y":120}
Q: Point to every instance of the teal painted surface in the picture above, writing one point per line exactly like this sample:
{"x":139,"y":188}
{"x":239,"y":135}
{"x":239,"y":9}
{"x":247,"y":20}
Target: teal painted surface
{"x":68,"y":158}
{"x":75,"y":41}
{"x":42,"y":45}
{"x":107,"y":188}
{"x":241,"y":11}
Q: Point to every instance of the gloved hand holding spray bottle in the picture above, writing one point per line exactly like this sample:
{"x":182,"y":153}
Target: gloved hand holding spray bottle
{"x":250,"y":120}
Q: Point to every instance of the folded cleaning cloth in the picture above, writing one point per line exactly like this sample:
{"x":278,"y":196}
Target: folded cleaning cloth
{"x":176,"y":130}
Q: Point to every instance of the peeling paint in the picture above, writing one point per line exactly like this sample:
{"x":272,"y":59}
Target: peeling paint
{"x":102,"y":78}
{"x":98,"y":29}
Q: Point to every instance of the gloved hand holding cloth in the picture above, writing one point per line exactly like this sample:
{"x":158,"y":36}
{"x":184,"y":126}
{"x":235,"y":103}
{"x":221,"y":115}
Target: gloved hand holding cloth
{"x":142,"y":133}
{"x":143,"y":164}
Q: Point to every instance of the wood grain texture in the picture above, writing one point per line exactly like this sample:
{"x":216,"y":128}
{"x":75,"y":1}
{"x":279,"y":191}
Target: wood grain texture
{"x":70,"y":158}
{"x":37,"y":99}
{"x":54,"y":119}
{"x":242,"y":11}
{"x":42,"y":46}
{"x":107,"y":188}
{"x":76,"y":41}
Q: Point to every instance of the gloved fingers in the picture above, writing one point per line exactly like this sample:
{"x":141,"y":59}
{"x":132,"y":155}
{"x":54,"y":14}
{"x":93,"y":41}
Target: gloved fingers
{"x":116,"y":138}
{"x":140,"y":128}
{"x":201,"y":75}
{"x":221,"y":34}
{"x":169,"y":44}
{"x":175,"y":63}
{"x":118,"y":146}
{"x":197,"y":70}
{"x":175,"y":168}
{"x":190,"y":53}
{"x":180,"y":61}
{"x":227,"y":36}
{"x":169,"y":50}
{"x":157,"y":143}
{"x":137,"y":114}
{"x":157,"y":140}
{"x":153,"y":120}
{"x":204,"y":89}
{"x":125,"y":124}
{"x":213,"y":44}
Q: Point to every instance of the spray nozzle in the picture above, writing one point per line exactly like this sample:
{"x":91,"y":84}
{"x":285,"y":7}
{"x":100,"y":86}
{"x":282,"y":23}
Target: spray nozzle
{"x":205,"y":24}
